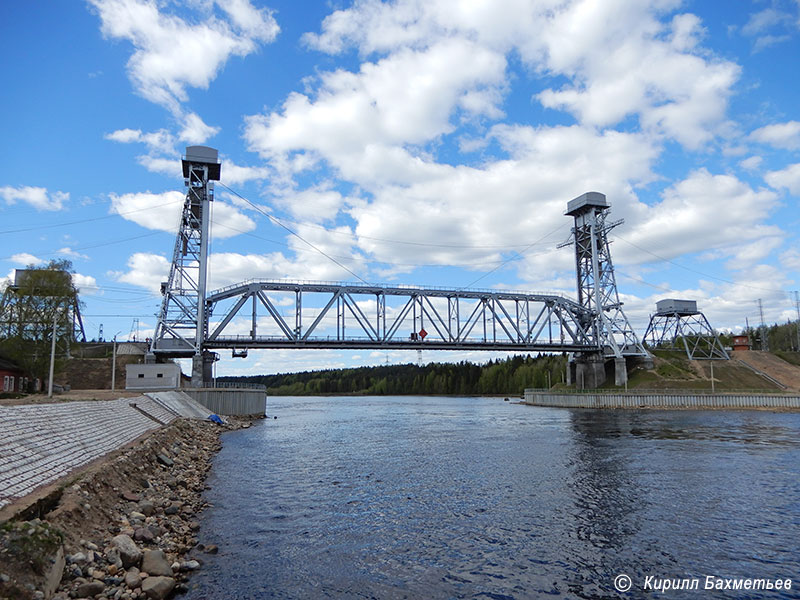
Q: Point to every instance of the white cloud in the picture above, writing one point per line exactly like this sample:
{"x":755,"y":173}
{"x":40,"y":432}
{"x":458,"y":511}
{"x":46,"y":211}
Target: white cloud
{"x":70,"y":252}
{"x":362,"y":118}
{"x":700,"y":213}
{"x":314,"y":205}
{"x":233,"y":174}
{"x":125,"y":136}
{"x":86,"y":284}
{"x":788,"y":178}
{"x":780,"y":135}
{"x":38,"y":197}
{"x":618,"y":57}
{"x":146,"y":270}
{"x":790,"y":259}
{"x":751,"y":163}
{"x":195,"y":131}
{"x":162,"y":212}
{"x":157,"y":142}
{"x":769,"y":27}
{"x":171,"y":53}
{"x":24,"y":259}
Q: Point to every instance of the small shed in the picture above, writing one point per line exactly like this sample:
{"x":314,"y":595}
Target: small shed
{"x":159,"y":376}
{"x":741,"y":343}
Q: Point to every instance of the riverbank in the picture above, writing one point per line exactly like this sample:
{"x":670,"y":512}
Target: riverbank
{"x":125,"y":528}
{"x":637,"y":399}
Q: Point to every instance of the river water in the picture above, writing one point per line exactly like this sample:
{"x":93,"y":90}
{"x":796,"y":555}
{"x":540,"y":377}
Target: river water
{"x":429,"y":497}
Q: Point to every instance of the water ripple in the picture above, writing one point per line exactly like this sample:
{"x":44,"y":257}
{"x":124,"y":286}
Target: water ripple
{"x":477,"y":498}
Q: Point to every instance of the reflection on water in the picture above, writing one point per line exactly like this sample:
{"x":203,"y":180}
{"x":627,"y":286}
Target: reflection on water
{"x":476,"y":498}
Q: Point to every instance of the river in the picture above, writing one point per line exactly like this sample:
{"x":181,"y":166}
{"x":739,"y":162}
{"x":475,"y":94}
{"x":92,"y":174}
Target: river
{"x":431,"y":497}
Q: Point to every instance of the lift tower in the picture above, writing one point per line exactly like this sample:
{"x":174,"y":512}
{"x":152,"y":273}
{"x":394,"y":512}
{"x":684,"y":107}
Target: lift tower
{"x":183,"y":323}
{"x":597,"y":292}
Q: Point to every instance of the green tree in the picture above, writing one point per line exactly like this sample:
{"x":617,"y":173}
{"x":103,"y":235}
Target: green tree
{"x":39,"y":298}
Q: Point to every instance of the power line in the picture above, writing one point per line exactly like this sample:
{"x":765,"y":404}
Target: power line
{"x":358,"y":236}
{"x":516,"y":256}
{"x":79,"y":221}
{"x":695,"y":271}
{"x":294,"y":233}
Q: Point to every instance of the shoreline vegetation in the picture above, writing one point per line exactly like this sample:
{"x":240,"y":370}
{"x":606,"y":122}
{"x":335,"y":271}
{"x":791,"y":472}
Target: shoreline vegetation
{"x":507,"y":377}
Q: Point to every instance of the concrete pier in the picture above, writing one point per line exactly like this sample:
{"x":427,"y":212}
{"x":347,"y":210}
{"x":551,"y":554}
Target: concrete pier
{"x":652,"y":399}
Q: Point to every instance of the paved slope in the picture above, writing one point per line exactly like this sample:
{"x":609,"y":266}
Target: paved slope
{"x":777,"y":368}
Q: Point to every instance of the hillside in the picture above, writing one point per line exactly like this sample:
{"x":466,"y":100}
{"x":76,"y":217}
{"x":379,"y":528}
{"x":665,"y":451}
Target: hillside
{"x":745,"y":371}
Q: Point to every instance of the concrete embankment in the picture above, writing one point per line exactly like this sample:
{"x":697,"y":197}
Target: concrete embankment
{"x":662,"y":400}
{"x":42,"y":443}
{"x":126,"y":523}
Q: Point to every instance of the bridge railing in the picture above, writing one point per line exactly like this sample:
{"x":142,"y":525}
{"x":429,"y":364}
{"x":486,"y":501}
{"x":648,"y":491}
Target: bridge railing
{"x":399,"y":286}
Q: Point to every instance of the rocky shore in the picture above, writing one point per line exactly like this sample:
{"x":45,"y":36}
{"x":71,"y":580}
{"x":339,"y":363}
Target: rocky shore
{"x":125,"y":529}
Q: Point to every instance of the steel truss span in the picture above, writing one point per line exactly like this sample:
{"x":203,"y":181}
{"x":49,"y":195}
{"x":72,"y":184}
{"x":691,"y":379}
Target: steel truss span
{"x":369,"y":316}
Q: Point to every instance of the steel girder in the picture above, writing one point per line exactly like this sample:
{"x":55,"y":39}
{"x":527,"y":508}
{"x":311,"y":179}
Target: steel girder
{"x":691,"y":333}
{"x":358,"y":316}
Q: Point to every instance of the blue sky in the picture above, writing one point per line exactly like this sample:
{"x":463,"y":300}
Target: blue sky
{"x":423,"y":142}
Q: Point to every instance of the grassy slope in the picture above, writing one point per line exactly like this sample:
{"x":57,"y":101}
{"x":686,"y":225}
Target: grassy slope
{"x":674,"y":371}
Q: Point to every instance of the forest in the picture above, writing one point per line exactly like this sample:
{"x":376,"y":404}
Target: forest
{"x":510,"y":376}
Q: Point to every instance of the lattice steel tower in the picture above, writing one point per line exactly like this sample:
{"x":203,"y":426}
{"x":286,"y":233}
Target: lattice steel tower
{"x":182,"y":322}
{"x":678,"y":325}
{"x":597,"y":287}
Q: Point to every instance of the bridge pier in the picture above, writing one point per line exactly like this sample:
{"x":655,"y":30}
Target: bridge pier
{"x":620,"y":371}
{"x":203,"y":368}
{"x":589,"y":371}
{"x":586,"y":371}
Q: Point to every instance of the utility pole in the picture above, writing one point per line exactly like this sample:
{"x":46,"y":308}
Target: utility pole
{"x":764,"y":342}
{"x":114,"y":364}
{"x":52,"y":356}
{"x":797,"y":325}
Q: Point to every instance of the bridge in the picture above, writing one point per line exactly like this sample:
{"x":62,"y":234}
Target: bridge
{"x":193,"y":321}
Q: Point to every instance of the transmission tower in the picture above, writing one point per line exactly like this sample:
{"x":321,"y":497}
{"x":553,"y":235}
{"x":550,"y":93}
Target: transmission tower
{"x":182,"y":321}
{"x":678,"y":325}
{"x":597,"y":286}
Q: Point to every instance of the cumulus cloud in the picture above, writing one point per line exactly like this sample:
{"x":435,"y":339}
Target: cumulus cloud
{"x":145,"y":270}
{"x":780,"y":135}
{"x":162,"y":212}
{"x":195,"y":131}
{"x":172,"y":53}
{"x":86,"y":284}
{"x":358,"y":120}
{"x":25,"y":259}
{"x":429,"y":69}
{"x":619,"y":58}
{"x":788,"y":178}
{"x":38,"y":197}
{"x":700,"y":213}
{"x":157,"y":142}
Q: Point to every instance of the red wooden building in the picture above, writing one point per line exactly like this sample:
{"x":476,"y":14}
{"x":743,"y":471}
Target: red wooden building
{"x":13,"y":377}
{"x":741,"y":343}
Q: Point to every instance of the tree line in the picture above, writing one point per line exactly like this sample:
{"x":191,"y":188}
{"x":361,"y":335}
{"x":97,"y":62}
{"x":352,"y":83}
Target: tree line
{"x":509,"y":376}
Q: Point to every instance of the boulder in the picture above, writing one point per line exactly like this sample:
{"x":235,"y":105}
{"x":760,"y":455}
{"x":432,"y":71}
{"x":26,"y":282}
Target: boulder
{"x":91,"y":589}
{"x":155,"y":562}
{"x":158,"y":588}
{"x":129,"y":552}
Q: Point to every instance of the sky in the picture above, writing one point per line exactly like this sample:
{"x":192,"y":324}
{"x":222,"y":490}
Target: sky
{"x":429,"y":142}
